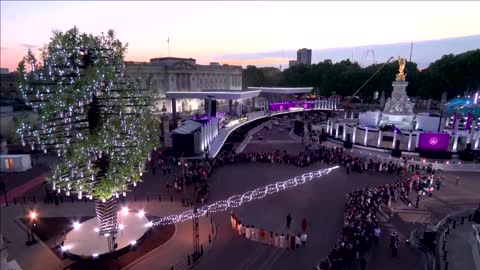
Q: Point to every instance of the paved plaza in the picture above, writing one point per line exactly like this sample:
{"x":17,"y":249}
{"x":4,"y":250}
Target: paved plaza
{"x":321,"y":201}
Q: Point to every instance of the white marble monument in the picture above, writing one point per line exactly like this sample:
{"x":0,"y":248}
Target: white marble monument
{"x":398,"y":109}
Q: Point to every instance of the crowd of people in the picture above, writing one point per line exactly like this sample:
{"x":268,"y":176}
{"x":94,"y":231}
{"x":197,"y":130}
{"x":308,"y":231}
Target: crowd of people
{"x":360,"y":220}
{"x":286,"y":239}
{"x":361,"y":227}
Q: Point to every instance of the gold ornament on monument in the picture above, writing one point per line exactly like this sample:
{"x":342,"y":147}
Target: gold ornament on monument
{"x":401,"y":66}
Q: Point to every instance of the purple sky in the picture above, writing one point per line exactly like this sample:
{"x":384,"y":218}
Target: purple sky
{"x":260,"y":33}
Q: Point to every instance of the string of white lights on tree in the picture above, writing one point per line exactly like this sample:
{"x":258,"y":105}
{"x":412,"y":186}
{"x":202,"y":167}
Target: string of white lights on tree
{"x":97,"y":119}
{"x":237,"y":200}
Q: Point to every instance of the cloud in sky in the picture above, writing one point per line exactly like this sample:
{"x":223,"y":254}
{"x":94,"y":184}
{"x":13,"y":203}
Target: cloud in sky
{"x":29,"y":46}
{"x":423,"y":53}
{"x":230,"y":30}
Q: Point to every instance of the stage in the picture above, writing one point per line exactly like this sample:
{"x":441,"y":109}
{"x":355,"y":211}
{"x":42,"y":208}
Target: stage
{"x":84,"y":241}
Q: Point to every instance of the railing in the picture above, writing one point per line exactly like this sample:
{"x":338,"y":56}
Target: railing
{"x":250,"y":133}
{"x":432,"y":260}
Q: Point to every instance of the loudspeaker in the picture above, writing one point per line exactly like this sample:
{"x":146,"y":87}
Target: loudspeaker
{"x":396,"y":153}
{"x":298,"y":127}
{"x":468,"y":147}
{"x":213,"y":108}
{"x":466,"y":154}
{"x":476,"y":216}
{"x":429,"y":239}
{"x":429,"y":236}
{"x":347,"y":144}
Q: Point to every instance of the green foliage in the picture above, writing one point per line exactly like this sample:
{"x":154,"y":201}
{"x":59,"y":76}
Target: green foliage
{"x":453,"y":74}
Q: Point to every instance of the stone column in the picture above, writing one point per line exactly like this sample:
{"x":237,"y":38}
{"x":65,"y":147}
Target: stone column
{"x":345,"y":115}
{"x":328,"y":126}
{"x":351,"y":115}
{"x":174,"y":111}
{"x":394,"y":139}
{"x":354,"y":133}
{"x":477,"y":139}
{"x":336,"y":131}
{"x":379,"y":140}
{"x":469,"y":136}
{"x":344,"y":131}
{"x":410,"y":141}
{"x":366,"y":136}
{"x":417,"y":140}
{"x":455,"y":142}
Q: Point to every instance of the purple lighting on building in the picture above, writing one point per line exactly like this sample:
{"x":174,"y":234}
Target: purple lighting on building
{"x":469,"y":118}
{"x":286,"y":105}
{"x":454,"y":121}
{"x":434,"y":141}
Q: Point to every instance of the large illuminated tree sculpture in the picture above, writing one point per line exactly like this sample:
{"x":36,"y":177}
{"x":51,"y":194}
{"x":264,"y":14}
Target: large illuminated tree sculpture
{"x":97,"y":119}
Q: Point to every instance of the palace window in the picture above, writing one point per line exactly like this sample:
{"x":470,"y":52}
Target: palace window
{"x":8,"y":163}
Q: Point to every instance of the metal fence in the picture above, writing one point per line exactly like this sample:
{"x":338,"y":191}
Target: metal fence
{"x":433,"y":260}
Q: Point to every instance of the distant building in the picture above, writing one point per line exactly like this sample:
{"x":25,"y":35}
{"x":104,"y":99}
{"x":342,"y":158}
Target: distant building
{"x":4,"y":71}
{"x":292,"y":63}
{"x":304,"y":56}
{"x":184,"y":74}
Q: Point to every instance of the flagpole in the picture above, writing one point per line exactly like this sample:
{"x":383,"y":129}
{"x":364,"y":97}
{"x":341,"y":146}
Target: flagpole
{"x":168,"y":42}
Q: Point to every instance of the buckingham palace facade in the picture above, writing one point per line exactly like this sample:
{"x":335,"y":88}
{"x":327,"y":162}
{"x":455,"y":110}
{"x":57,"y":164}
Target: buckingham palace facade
{"x":184,"y":74}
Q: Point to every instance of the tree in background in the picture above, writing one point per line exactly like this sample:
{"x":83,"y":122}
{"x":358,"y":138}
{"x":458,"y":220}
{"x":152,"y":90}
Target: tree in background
{"x":454,"y":74}
{"x":95,"y":118}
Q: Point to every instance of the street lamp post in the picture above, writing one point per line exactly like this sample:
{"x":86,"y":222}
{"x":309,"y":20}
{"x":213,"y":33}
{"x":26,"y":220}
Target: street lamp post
{"x":31,"y":225}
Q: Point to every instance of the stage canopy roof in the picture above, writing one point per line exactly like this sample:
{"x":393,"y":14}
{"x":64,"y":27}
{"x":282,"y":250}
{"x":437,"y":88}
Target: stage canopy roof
{"x":283,"y":90}
{"x":188,"y":127}
{"x":458,"y":104}
{"x":215,"y":94}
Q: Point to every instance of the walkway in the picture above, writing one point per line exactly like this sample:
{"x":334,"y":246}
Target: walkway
{"x":223,"y":133}
{"x":173,"y":253}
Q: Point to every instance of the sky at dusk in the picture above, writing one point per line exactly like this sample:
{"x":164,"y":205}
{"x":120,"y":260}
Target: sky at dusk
{"x":241,"y":32}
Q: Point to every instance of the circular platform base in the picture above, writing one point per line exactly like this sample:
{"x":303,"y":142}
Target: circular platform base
{"x":84,"y":241}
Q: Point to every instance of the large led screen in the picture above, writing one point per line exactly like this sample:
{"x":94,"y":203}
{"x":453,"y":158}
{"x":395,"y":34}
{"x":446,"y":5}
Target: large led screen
{"x":434,"y":141}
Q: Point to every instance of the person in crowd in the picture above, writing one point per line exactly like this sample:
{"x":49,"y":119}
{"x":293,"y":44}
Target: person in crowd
{"x":363,"y":263}
{"x":253,"y":233}
{"x":303,"y":237}
{"x":291,"y":238}
{"x":248,"y":232}
{"x":298,"y":241}
{"x":395,"y":246}
{"x":282,"y":241}
{"x":289,"y":221}
{"x":304,"y":224}
{"x":277,"y":240}
{"x":376,"y":235}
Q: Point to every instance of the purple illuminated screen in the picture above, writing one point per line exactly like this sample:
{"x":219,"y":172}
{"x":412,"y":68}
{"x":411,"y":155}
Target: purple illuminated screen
{"x":434,"y":141}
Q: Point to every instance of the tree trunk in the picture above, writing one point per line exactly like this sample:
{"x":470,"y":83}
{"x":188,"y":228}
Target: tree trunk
{"x":107,"y":215}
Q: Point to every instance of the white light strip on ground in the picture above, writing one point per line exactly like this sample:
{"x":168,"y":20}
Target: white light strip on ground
{"x":237,"y":200}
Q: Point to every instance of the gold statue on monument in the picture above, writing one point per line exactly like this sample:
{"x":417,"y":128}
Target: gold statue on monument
{"x":401,"y":66}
